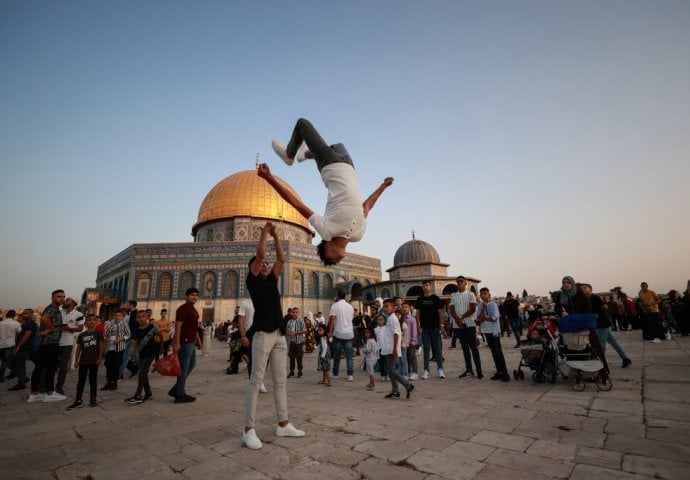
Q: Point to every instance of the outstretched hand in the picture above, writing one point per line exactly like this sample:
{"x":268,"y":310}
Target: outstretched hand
{"x":388,"y":181}
{"x":264,"y":171}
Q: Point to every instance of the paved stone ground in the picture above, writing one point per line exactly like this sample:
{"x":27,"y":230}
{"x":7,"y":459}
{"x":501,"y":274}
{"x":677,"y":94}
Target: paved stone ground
{"x":451,"y":429}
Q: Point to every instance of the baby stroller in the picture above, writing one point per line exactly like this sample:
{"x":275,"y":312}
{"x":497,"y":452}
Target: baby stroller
{"x":580,"y":354}
{"x":539,"y":352}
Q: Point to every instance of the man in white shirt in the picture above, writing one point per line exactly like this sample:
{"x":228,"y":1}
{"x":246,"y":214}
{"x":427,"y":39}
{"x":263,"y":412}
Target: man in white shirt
{"x":72,"y":322}
{"x":9,"y":328}
{"x":345,"y":218}
{"x":341,"y":332}
{"x":463,"y":305}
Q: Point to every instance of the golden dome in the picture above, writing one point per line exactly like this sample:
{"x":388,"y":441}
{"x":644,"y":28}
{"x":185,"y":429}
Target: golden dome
{"x":245,"y":194}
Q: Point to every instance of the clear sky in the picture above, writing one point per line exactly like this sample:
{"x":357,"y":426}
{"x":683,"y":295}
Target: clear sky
{"x":528,"y":140}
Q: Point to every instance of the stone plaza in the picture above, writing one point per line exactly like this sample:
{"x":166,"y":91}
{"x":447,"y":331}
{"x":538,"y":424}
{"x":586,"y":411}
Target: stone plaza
{"x":450,"y":429}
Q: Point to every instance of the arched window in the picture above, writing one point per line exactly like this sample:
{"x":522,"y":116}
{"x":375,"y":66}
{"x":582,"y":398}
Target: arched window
{"x":313,"y":290}
{"x":209,"y":285}
{"x":164,"y":286}
{"x":450,"y":288}
{"x":356,"y":291}
{"x":327,"y":286}
{"x":473,"y":289}
{"x":186,"y":281}
{"x":143,"y":285}
{"x":231,"y":284}
{"x":416,"y":291}
{"x":385,"y":293}
{"x":297,"y":279}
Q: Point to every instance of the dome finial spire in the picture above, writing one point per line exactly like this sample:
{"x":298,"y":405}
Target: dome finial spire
{"x":257,"y":160}
{"x":413,"y":234}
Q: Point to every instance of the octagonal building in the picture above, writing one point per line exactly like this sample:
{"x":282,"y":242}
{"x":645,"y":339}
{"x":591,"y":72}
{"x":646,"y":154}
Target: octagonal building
{"x":225,"y":235}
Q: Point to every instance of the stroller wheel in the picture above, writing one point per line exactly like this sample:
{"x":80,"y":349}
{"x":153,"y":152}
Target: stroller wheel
{"x":539,"y":377}
{"x":576,"y":383}
{"x":603,"y":382}
{"x":516,"y":374}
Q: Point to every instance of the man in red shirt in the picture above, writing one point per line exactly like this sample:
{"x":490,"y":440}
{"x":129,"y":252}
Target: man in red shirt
{"x":185,"y":343}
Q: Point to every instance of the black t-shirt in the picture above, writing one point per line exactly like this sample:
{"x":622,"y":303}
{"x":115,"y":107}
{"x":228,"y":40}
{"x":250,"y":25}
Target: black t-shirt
{"x":268,"y":314}
{"x":90,"y":345}
{"x":151,"y":346}
{"x":603,"y":320}
{"x":512,"y":308}
{"x":28,"y":326}
{"x":428,"y":308}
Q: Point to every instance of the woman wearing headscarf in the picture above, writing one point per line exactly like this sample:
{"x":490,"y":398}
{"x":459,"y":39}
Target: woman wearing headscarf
{"x":573,"y":301}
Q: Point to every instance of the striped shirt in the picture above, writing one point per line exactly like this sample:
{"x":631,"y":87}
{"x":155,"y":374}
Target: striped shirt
{"x":121,"y":332}
{"x":462,"y":301}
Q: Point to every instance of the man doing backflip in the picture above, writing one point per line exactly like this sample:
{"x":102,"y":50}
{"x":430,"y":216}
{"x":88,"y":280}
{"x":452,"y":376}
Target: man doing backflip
{"x":345,"y":218}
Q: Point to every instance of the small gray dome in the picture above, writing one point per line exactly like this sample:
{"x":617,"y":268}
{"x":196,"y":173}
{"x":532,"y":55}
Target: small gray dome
{"x":414,"y":252}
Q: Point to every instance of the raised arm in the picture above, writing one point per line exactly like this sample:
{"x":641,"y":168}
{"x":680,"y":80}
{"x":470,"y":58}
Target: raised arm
{"x":265,"y":173}
{"x":371,"y":201}
{"x":280,"y":253}
{"x":261,"y":249}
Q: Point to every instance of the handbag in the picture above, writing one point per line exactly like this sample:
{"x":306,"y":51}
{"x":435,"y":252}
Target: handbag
{"x":169,"y":366}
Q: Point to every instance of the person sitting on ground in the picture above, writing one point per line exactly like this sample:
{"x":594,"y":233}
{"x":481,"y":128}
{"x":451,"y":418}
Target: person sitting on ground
{"x":345,"y":218}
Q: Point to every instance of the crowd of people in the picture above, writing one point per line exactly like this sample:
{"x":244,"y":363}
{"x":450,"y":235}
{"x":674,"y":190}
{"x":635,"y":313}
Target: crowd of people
{"x":390,"y":334}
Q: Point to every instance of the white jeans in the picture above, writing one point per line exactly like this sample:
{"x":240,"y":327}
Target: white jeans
{"x":267,"y":347}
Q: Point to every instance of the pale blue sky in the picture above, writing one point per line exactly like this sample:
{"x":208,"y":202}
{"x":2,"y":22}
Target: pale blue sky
{"x":528,"y":140}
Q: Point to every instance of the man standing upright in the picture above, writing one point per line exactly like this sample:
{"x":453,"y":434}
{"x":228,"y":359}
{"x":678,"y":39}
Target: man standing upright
{"x":341,"y":332}
{"x":512,"y":311}
{"x":47,"y":357}
{"x":652,"y":329}
{"x":268,"y":342}
{"x":133,"y":325}
{"x":296,"y":330}
{"x":9,"y":329}
{"x":429,"y":323}
{"x":185,"y":344}
{"x":463,"y":305}
{"x":72,"y":322}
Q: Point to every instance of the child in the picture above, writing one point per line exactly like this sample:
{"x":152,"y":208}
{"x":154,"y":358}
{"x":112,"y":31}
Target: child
{"x":371,"y":354}
{"x":324,"y":355}
{"x":89,"y":356}
{"x":401,"y":362}
{"x":389,"y":342}
{"x":116,"y":334}
{"x":147,"y":342}
{"x":378,"y":332}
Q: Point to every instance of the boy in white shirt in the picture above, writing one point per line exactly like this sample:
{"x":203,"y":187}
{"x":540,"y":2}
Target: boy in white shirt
{"x":390,"y":344}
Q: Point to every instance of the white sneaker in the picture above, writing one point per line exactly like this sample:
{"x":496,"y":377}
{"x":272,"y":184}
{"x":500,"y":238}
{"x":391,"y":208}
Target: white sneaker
{"x":334,"y":376}
{"x":288,"y":431}
{"x":301,"y":154}
{"x":440,"y":373}
{"x":54,"y":397}
{"x":425,"y":375}
{"x":35,"y":397}
{"x":350,"y":378}
{"x":656,"y":340}
{"x":250,"y":440}
{"x":281,"y":150}
{"x":263,"y":389}
{"x":414,"y":376}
